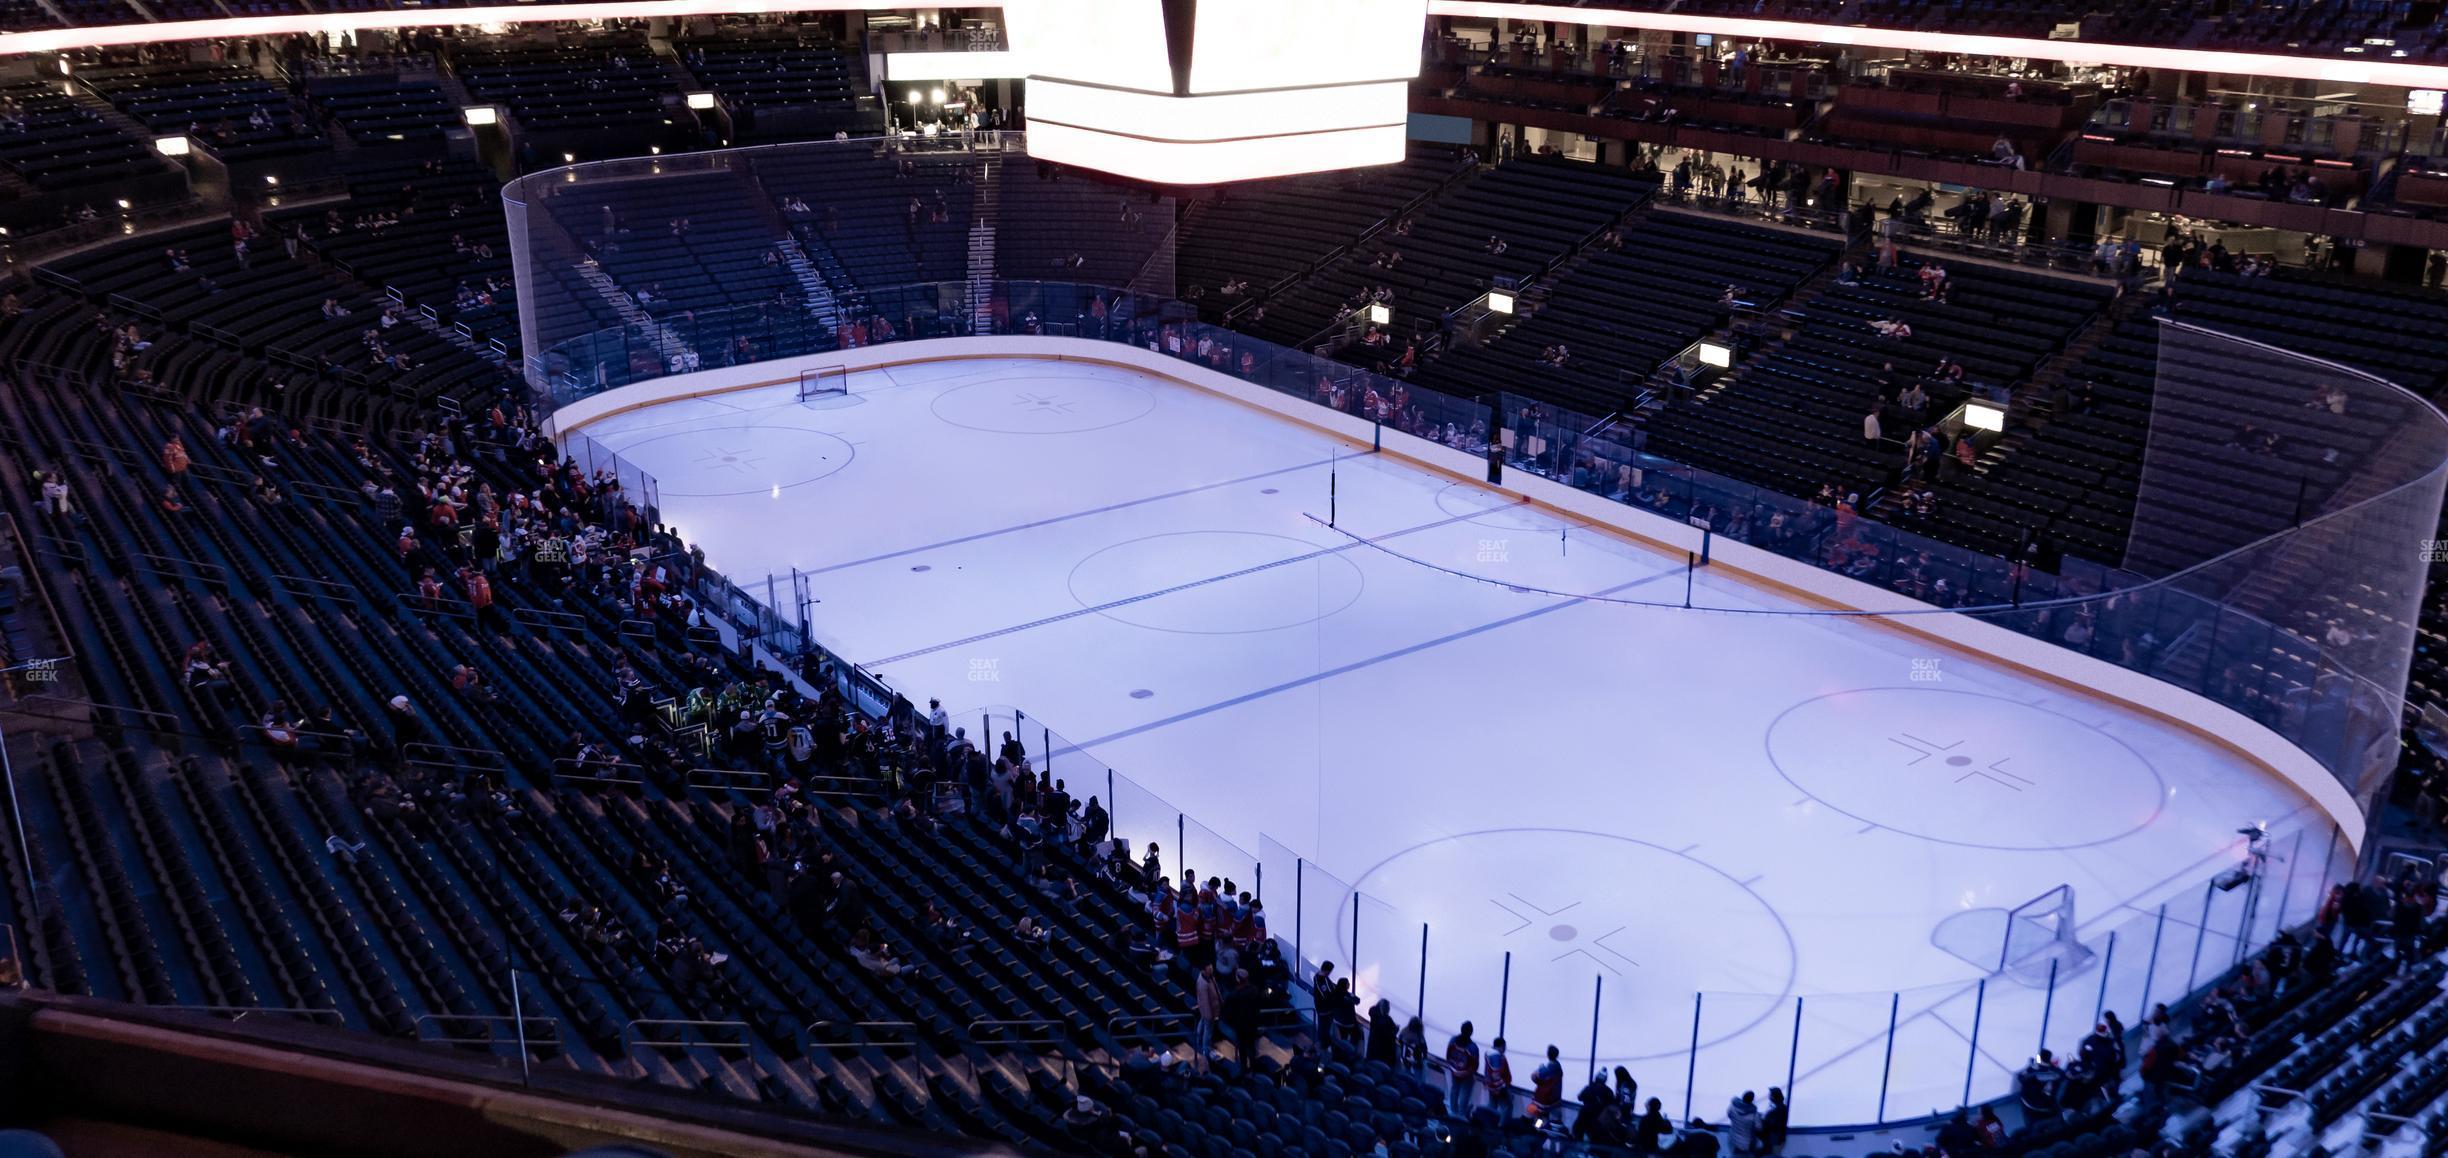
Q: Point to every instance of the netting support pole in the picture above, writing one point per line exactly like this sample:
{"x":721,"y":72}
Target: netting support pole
{"x":2327,"y":859}
{"x":2048,"y":1005}
{"x":1691,"y":1057}
{"x":1895,"y":1004}
{"x":1421,"y":1006}
{"x":1504,"y":996}
{"x":1793,"y":1054}
{"x":2142,"y":1012}
{"x":2107,"y":966}
{"x":518,"y":1017}
{"x":8,"y":772}
{"x":1597,"y":1002}
{"x":1300,"y":875}
{"x":2201,"y":933}
{"x":1980,"y":1003}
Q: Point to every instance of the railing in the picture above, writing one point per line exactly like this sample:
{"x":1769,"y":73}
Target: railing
{"x":22,"y":248}
{"x":572,"y":772}
{"x":548,"y":620}
{"x":829,"y":1036}
{"x":692,"y":1033}
{"x":242,"y":1012}
{"x":793,"y":642}
{"x":1038,"y":1036}
{"x":309,"y":587}
{"x":437,"y":1028}
{"x":1157,"y":1029}
{"x":429,"y":755}
{"x":146,"y":719}
{"x":734,"y":779}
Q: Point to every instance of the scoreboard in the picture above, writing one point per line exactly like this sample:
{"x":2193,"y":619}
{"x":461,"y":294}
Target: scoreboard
{"x":1204,"y":91}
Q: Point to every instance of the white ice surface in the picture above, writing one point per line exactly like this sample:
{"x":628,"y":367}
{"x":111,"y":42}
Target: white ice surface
{"x":1659,"y":801}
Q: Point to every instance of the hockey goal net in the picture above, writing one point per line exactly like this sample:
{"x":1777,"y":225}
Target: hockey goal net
{"x":823,"y":382}
{"x":2029,"y":943}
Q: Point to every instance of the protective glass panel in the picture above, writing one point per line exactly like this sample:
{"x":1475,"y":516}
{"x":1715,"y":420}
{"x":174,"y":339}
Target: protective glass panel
{"x":640,"y":269}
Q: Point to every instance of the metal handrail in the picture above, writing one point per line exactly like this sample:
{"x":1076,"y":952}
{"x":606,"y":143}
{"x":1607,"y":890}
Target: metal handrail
{"x":242,"y":1012}
{"x":2266,"y":1088}
{"x":1051,"y":1033}
{"x":42,"y":589}
{"x":211,"y":574}
{"x":174,"y":722}
{"x":1023,"y":1023}
{"x":436,"y":604}
{"x":629,"y":1040}
{"x":2393,"y":1120}
{"x":810,"y":1036}
{"x":756,"y":780}
{"x":454,"y":757}
{"x":565,"y":771}
{"x":520,"y":1023}
{"x":1134,"y":1036}
{"x":300,"y":733}
{"x":313,"y":588}
{"x":547,"y":619}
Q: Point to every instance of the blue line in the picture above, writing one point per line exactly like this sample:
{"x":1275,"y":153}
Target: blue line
{"x":1047,"y":522}
{"x":1126,"y":600}
{"x":1358,"y":664}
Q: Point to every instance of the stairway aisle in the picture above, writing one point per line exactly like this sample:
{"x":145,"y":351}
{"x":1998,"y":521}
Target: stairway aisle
{"x":982,"y":247}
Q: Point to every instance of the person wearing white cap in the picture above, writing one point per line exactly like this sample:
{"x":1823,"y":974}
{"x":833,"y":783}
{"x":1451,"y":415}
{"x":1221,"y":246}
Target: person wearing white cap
{"x":406,"y":726}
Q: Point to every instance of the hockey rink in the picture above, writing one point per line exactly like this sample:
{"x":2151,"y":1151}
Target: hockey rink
{"x":1590,"y":811}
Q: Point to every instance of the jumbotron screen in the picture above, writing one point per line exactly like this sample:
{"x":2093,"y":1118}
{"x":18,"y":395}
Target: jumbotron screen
{"x":1204,"y":91}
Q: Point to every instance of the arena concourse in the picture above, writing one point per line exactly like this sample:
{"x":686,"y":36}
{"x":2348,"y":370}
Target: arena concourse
{"x":1222,"y":577}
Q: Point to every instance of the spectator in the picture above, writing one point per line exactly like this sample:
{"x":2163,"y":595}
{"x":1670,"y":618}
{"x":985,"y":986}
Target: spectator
{"x":1742,"y":1124}
{"x":2041,"y":1088}
{"x":1774,"y":1123}
{"x":1597,"y":1106}
{"x":407,"y":727}
{"x":1496,"y":1073}
{"x":1412,"y":1047}
{"x":1209,"y":1001}
{"x":1244,"y":1003}
{"x":1546,"y":1086}
{"x":1461,"y":1072}
{"x":1651,"y":1131}
{"x":1959,"y":1135}
{"x":57,"y":501}
{"x":208,"y":676}
{"x":1381,"y":1033}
